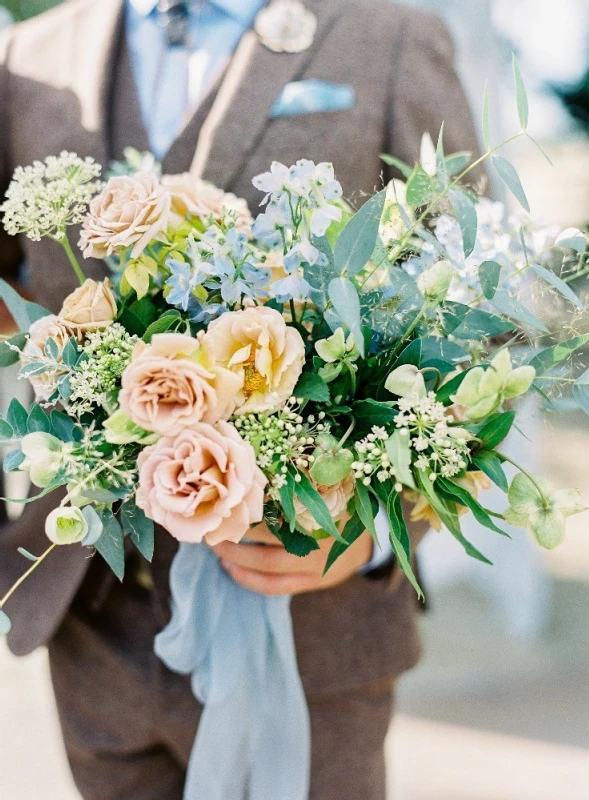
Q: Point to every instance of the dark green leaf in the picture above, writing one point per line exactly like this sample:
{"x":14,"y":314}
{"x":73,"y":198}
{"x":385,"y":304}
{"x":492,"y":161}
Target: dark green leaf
{"x":357,"y":241}
{"x":489,"y":275}
{"x":137,"y":317}
{"x":563,"y":288}
{"x":17,"y":417}
{"x":64,"y":427}
{"x":353,"y":529}
{"x":139,"y":528}
{"x":344,"y":296}
{"x":8,"y":356}
{"x":161,"y":325}
{"x":13,"y":460}
{"x":313,"y":502}
{"x":403,"y":168}
{"x":366,"y":509}
{"x":473,"y":323}
{"x":38,"y":421}
{"x":398,"y":534}
{"x":488,"y":463}
{"x":5,"y":624}
{"x":521,"y":97}
{"x":464,"y":498}
{"x":509,"y":306}
{"x":551,"y":356}
{"x":466,"y":216}
{"x":312,"y":387}
{"x":287,"y":495}
{"x":295,"y":542}
{"x":508,"y":174}
{"x":495,"y":429}
{"x":111,"y":544}
{"x":371,"y":412}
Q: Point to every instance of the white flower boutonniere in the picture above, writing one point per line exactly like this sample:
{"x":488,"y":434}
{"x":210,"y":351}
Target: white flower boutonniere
{"x":286,"y":26}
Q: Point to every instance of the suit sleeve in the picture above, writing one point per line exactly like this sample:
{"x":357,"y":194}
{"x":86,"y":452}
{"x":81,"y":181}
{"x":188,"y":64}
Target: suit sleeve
{"x":10,"y":253}
{"x":427,"y":91}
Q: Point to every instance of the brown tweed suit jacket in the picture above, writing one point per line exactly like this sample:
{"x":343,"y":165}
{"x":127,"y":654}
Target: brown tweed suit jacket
{"x":56,"y":92}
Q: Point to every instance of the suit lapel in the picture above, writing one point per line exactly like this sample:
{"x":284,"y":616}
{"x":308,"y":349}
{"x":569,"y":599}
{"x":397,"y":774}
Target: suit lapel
{"x":265,"y":76}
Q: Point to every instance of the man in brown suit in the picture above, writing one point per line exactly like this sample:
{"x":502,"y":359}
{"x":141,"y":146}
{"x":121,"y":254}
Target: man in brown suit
{"x":66,"y":83}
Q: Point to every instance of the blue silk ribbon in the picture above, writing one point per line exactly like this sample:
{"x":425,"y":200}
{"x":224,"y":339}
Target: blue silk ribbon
{"x":254,"y":736}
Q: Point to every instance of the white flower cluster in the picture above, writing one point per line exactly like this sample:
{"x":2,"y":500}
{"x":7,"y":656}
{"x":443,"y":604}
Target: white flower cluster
{"x":441,"y":449}
{"x":45,"y":198}
{"x":373,"y":459}
{"x":97,"y":375}
{"x":282,"y":440}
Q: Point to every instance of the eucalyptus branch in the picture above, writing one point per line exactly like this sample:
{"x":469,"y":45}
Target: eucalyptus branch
{"x":25,"y":575}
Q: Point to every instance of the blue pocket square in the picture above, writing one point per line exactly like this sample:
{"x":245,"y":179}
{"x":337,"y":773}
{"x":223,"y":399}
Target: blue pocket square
{"x":312,"y":96}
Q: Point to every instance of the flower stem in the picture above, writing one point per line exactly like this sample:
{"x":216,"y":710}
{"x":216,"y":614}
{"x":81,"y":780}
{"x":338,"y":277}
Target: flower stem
{"x":528,"y":475}
{"x":64,"y":242}
{"x":23,"y":577}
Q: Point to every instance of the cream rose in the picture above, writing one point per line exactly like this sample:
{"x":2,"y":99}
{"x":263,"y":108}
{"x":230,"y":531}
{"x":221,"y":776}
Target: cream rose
{"x":40,"y":332}
{"x":197,"y":198}
{"x":91,"y":307}
{"x":204,"y":484}
{"x":131,"y":211}
{"x":263,"y":350}
{"x":172,"y":383}
{"x":336,"y":499}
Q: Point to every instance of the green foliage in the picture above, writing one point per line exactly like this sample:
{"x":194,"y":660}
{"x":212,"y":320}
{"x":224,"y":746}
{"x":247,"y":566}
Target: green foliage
{"x":346,"y":303}
{"x":138,"y":527}
{"x":510,"y":307}
{"x":398,"y":533}
{"x":313,"y":502}
{"x":168,"y":320}
{"x":138,"y":316}
{"x":354,"y":528}
{"x":13,"y":460}
{"x":17,"y":417}
{"x":520,"y":96}
{"x":466,"y":216}
{"x":38,"y":420}
{"x":312,"y":387}
{"x":111,"y":544}
{"x":8,"y":355}
{"x":581,"y":391}
{"x":366,"y":507}
{"x":357,"y":240}
{"x":547,"y":359}
{"x":465,"y":322}
{"x":494,"y":430}
{"x":294,"y":541}
{"x":6,"y":432}
{"x":5,"y":624}
{"x":508,"y":174}
{"x":489,"y":275}
{"x":95,"y":526}
{"x":399,"y":452}
{"x":22,"y":311}
{"x":457,"y":494}
{"x":403,"y":168}
{"x":563,"y":288}
{"x":287,"y":495}
{"x":490,"y":464}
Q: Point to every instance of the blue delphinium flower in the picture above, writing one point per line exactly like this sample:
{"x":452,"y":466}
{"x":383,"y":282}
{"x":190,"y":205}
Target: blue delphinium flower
{"x":181,"y":283}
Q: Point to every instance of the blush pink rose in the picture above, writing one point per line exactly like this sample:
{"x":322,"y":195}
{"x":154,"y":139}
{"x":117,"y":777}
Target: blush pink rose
{"x":197,"y":198}
{"x":266,"y":353}
{"x":172,"y":383}
{"x":131,"y":211}
{"x":203,"y":484}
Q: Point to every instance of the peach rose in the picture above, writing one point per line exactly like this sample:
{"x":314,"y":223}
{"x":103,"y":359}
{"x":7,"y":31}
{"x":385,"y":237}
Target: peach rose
{"x":172,"y":383}
{"x":336,"y":499}
{"x":131,"y":211}
{"x":197,"y":198}
{"x":49,"y":327}
{"x":91,"y":307}
{"x":204,"y":484}
{"x":263,"y":350}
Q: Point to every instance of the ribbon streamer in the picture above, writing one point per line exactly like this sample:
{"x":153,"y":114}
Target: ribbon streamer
{"x":254,"y":736}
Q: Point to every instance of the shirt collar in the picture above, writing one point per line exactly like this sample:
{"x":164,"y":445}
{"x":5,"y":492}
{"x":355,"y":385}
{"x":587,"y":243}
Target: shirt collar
{"x":243,"y":11}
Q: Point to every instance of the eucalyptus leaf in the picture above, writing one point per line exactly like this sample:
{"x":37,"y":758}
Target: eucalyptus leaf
{"x":319,"y":275}
{"x":95,"y":526}
{"x":16,"y":305}
{"x":6,"y":432}
{"x":13,"y":460}
{"x":52,"y":348}
{"x":17,"y":417}
{"x":520,"y":96}
{"x":581,"y":391}
{"x":357,"y":240}
{"x":466,"y":216}
{"x":563,"y":288}
{"x":38,"y":421}
{"x":111,"y":544}
{"x":346,"y":302}
{"x":65,"y":427}
{"x":508,"y":174}
{"x":139,"y":528}
{"x":457,"y":162}
{"x":551,"y":356}
{"x":508,"y":305}
{"x":489,"y":275}
{"x":403,"y":168}
{"x":8,"y":355}
{"x":70,"y":353}
{"x":5,"y":624}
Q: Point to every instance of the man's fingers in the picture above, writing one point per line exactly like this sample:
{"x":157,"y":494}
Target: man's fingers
{"x":269,"y":584}
{"x":264,"y":558}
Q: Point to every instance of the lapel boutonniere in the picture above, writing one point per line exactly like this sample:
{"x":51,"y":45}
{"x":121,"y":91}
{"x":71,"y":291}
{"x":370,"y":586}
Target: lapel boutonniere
{"x":286,"y":26}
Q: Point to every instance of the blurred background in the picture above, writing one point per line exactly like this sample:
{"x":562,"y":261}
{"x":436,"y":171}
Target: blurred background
{"x":499,"y":707}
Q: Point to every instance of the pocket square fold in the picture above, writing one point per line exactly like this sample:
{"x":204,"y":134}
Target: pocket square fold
{"x":312,"y":96}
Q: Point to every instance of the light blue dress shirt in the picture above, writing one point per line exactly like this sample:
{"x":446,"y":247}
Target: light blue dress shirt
{"x":171,"y":82}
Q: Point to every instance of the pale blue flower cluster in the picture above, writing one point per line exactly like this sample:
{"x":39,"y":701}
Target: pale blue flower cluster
{"x":302,"y":202}
{"x":223,"y":261}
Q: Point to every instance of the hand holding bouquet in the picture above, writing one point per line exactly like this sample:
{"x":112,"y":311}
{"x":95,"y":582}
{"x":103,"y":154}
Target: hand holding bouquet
{"x":306,"y":368}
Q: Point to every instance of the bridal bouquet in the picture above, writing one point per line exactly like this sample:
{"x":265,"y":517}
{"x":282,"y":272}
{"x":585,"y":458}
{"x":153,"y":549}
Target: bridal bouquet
{"x":305,"y":368}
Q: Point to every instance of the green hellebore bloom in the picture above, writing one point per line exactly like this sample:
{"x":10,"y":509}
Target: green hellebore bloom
{"x":539,"y":507}
{"x":331,"y":463}
{"x":483,"y":391}
{"x":337,"y":348}
{"x":120,"y":429}
{"x":43,"y":457}
{"x":435,"y":282}
{"x":66,"y":526}
{"x":406,"y":381}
